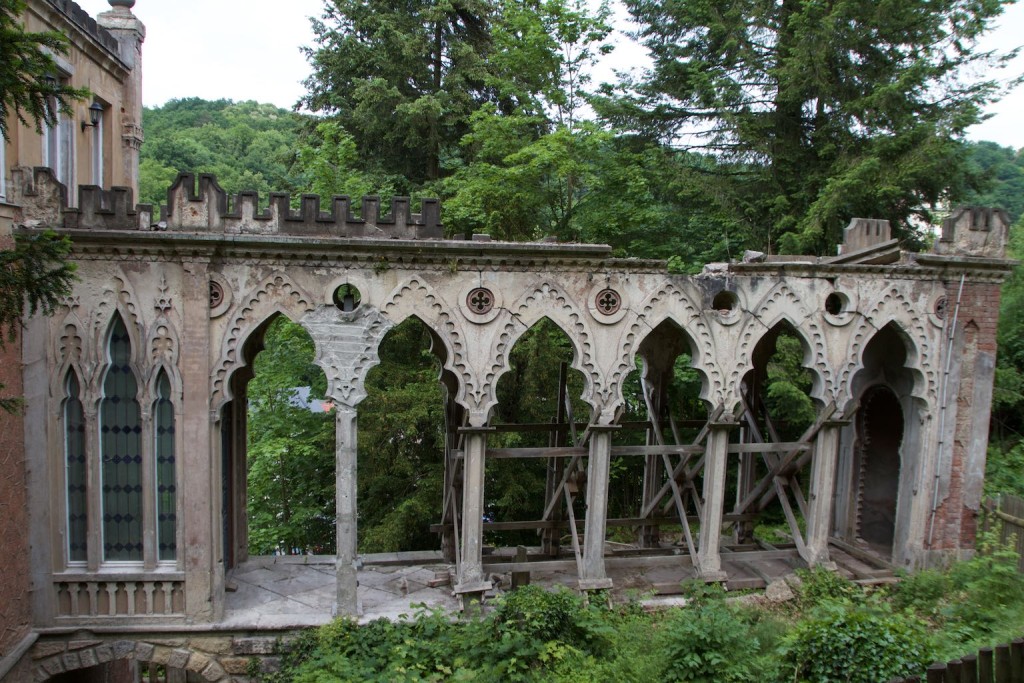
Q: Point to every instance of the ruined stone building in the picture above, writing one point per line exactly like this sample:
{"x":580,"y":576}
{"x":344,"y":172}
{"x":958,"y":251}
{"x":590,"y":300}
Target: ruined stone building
{"x":128,"y":467}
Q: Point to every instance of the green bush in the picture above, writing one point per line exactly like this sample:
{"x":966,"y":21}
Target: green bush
{"x":857,"y":643}
{"x":709,"y":642}
{"x":820,"y":585}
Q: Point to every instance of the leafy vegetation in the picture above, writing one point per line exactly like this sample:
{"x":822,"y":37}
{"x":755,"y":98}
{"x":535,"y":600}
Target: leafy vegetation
{"x":29,"y":93}
{"x":815,"y":112}
{"x":33,"y":272}
{"x":833,"y":631}
{"x":248,"y":146}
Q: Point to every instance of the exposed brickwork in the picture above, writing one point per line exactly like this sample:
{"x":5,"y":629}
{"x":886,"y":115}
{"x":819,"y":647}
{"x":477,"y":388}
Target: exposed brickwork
{"x":15,"y":608}
{"x":955,"y":524}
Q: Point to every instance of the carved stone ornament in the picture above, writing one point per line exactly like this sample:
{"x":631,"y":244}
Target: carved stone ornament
{"x":480,"y":300}
{"x":220,"y":295}
{"x":608,"y":302}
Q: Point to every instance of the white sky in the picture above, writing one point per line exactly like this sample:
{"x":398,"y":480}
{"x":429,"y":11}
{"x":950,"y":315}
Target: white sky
{"x":249,"y":50}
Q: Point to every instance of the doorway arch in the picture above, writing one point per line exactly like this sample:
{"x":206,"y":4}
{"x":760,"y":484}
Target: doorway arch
{"x":880,"y":430}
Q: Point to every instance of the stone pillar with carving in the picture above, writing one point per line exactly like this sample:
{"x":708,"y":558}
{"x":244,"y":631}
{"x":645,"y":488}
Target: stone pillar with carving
{"x":130,"y":33}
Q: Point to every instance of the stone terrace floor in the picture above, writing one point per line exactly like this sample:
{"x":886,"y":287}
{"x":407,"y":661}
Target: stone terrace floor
{"x":288,"y":592}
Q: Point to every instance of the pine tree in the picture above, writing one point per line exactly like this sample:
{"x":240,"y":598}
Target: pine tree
{"x":821,"y":109}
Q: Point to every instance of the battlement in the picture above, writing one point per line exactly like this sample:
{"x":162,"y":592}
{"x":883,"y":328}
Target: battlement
{"x":200,"y":205}
{"x":207,"y":208}
{"x":975,"y":231}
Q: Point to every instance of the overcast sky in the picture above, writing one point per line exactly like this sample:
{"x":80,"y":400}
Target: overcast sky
{"x":249,"y":50}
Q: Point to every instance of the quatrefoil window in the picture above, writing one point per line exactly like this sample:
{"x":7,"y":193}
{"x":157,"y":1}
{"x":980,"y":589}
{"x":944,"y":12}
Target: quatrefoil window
{"x":480,"y":300}
{"x":608,"y":302}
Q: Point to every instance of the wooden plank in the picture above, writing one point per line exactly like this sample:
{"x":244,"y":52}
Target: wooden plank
{"x":618,"y":451}
{"x":785,"y":446}
{"x":862,"y":555}
{"x":563,"y":565}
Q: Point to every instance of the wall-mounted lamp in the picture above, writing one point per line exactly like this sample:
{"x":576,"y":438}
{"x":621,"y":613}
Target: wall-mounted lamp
{"x":95,"y":111}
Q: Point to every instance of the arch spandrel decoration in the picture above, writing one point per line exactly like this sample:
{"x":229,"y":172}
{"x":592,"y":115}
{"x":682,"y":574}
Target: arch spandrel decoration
{"x":783,"y":305}
{"x":68,"y":351}
{"x":276,"y":293}
{"x":922,"y":351}
{"x":346,"y":348}
{"x":543,"y":299}
{"x":669,"y":301}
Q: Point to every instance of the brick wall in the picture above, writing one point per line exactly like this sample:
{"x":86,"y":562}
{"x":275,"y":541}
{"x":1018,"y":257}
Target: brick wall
{"x":956,"y":518}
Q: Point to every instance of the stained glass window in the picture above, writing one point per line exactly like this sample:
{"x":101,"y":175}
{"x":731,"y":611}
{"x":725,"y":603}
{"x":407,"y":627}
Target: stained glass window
{"x":166,"y":508}
{"x":75,"y":474}
{"x":121,"y":452}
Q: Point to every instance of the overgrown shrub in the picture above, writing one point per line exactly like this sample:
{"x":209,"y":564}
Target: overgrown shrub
{"x":856,"y":643}
{"x":708,"y":642}
{"x":820,"y":585}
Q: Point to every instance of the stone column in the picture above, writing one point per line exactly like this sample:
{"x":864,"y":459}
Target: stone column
{"x":822,"y":495}
{"x":346,"y":449}
{"x":716,"y":464}
{"x":471,"y":579}
{"x":200,"y":473}
{"x":592,"y":573}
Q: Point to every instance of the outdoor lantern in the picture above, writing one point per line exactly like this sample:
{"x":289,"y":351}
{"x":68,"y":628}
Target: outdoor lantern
{"x":95,"y":111}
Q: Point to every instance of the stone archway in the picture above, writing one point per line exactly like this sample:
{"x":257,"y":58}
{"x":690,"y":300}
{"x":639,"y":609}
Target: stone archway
{"x":879,"y":436}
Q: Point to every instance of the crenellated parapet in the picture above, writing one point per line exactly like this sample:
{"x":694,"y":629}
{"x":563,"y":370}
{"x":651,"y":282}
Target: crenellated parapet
{"x":208,"y":209}
{"x":974,"y":231}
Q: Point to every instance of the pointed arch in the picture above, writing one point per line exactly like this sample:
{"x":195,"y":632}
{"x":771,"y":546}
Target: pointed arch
{"x":921,"y":342}
{"x":671,"y":302}
{"x":544,"y":299}
{"x":165,"y":451}
{"x":416,"y":297}
{"x":76,"y":478}
{"x":120,"y":422}
{"x":782,"y":306}
{"x":276,"y":294}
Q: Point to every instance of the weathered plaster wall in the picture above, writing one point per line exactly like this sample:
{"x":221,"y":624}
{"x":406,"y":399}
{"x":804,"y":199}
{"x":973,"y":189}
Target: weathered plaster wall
{"x":15,"y":608}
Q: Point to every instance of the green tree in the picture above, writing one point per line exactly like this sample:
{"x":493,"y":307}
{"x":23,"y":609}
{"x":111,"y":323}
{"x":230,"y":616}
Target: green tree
{"x":290,"y":448}
{"x":33,"y":274}
{"x":29,"y":88}
{"x":402,"y":78}
{"x":33,"y":278}
{"x":1003,"y":170}
{"x":816,"y":111}
{"x":247,"y":145}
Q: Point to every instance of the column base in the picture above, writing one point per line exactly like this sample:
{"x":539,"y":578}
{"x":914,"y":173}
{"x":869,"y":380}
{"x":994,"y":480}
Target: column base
{"x":594,"y":584}
{"x":713,"y":576}
{"x":473,"y":587}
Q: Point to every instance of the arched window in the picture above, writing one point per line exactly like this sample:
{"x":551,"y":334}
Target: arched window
{"x":75,"y":470}
{"x":121,"y":452}
{"x":163,"y":447}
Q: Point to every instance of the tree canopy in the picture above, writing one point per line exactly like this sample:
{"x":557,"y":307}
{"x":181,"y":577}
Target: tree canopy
{"x":29,"y":88}
{"x":816,"y":112}
{"x":33,"y":274}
